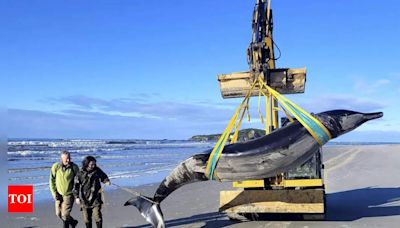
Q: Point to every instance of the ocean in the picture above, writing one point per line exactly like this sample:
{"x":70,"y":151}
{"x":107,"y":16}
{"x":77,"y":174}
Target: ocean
{"x":127,"y":162}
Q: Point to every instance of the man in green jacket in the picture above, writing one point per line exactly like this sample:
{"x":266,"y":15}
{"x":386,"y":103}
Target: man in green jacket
{"x":61,"y":182}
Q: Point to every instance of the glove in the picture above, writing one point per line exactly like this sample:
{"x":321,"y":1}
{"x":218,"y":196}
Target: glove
{"x":108,"y":183}
{"x":57,"y":196}
{"x":78,"y":201}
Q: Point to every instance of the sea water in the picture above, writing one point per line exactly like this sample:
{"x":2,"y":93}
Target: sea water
{"x":127,"y":162}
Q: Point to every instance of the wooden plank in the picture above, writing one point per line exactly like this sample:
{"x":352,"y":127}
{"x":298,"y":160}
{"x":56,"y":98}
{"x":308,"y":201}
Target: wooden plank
{"x":237,"y":75}
{"x":248,"y":184}
{"x":273,"y":201}
{"x":285,"y":81}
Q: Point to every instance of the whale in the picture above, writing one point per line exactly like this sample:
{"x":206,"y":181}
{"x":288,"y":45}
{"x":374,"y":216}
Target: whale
{"x":266,"y":156}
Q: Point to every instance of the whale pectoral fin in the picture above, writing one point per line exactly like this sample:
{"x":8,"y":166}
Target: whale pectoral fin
{"x":150,"y":211}
{"x":131,"y":201}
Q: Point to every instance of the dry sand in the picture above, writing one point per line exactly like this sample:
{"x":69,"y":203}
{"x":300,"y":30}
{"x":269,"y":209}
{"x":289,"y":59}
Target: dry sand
{"x":363,"y":190}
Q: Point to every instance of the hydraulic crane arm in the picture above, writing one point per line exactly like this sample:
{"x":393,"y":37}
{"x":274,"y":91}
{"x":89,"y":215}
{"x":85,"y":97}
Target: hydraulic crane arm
{"x":261,"y":60}
{"x":260,"y":54}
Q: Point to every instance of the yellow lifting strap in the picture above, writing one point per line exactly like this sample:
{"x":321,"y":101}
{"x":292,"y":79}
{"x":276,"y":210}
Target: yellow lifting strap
{"x":219,"y":146}
{"x":320,"y":133}
{"x":313,"y":126}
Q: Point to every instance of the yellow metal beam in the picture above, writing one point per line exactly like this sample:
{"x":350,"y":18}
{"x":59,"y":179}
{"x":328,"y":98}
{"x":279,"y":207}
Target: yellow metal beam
{"x":248,"y":184}
{"x":268,"y":114}
{"x":283,"y":183}
{"x":275,"y":117}
{"x":302,"y":183}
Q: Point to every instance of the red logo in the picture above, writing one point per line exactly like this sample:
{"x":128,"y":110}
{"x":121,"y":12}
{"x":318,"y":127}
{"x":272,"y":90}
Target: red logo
{"x":20,"y":198}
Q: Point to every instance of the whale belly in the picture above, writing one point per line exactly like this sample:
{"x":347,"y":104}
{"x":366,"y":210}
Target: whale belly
{"x":259,"y":164}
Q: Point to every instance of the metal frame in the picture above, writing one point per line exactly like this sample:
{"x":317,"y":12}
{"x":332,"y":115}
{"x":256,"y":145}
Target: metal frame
{"x":278,"y":194}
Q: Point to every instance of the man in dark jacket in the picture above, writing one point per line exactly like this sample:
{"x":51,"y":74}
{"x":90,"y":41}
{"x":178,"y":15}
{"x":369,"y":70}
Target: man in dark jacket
{"x":87,"y":191}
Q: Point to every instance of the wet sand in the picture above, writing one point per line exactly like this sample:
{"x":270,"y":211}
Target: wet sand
{"x":363,"y":190}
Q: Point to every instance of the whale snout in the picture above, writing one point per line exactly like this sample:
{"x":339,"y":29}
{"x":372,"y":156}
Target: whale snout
{"x":374,"y":115}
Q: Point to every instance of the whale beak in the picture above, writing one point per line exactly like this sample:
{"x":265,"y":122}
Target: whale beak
{"x":374,"y":115}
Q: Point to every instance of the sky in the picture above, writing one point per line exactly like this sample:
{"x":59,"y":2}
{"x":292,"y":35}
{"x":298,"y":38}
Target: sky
{"x":123,"y":69}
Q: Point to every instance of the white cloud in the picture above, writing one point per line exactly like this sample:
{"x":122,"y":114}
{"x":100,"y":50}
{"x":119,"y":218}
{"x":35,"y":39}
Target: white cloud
{"x":370,"y":136}
{"x":81,"y":124}
{"x":333,"y":101}
{"x":132,"y":118}
{"x":367,"y":87}
{"x":140,"y":108}
{"x":395,"y":75}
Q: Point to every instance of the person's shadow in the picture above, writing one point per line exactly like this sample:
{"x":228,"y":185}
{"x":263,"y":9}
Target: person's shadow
{"x":341,"y":206}
{"x":213,"y":219}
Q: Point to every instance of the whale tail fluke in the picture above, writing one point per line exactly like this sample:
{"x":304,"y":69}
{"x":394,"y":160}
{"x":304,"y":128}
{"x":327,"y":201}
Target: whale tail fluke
{"x":149,"y":210}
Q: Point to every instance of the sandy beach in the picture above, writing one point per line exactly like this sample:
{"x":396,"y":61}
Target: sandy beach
{"x":363,"y":190}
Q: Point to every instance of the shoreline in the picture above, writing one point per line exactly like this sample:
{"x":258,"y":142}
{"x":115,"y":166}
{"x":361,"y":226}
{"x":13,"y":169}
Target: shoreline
{"x":359,"y":193}
{"x":117,"y":215}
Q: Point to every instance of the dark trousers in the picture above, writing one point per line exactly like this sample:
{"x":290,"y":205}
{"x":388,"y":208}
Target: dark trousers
{"x":63,"y":207}
{"x":95,"y":213}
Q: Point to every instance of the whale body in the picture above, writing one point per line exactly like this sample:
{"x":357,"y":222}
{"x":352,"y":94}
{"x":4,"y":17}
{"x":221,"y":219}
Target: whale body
{"x":267,"y":156}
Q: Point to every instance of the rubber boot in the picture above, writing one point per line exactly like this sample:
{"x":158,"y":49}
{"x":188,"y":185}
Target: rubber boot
{"x":88,"y":225}
{"x":65,"y":224}
{"x":99,"y":224}
{"x":73,"y":223}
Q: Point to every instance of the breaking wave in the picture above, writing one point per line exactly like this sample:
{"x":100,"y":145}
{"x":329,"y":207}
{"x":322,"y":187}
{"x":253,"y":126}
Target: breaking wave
{"x":126,"y":162}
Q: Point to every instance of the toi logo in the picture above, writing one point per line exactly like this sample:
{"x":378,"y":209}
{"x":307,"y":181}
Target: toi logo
{"x":20,"y":198}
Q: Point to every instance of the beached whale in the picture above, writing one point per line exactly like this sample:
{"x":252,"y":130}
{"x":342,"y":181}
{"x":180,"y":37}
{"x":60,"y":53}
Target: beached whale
{"x":267,"y":156}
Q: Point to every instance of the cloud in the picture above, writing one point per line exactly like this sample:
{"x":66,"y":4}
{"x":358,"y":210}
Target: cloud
{"x":145,"y":96}
{"x":330,"y":102}
{"x":95,"y":125}
{"x":205,"y":111}
{"x":320,"y":104}
{"x":82,"y":101}
{"x":85,"y":116}
{"x":363,"y":86}
{"x":88,"y":117}
{"x":89,"y":124}
{"x":105,"y":113}
{"x":395,"y":75}
{"x":370,"y":136}
{"x":162,"y":110}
